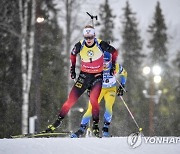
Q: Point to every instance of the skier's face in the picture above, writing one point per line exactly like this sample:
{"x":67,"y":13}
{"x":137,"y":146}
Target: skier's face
{"x":89,"y":39}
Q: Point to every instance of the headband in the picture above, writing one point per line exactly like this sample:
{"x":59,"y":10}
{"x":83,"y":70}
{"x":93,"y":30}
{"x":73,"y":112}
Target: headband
{"x":88,"y":31}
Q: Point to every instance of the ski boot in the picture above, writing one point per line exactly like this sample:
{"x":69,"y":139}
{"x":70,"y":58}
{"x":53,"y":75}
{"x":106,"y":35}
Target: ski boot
{"x":96,"y":129}
{"x":79,"y":133}
{"x":52,"y":127}
{"x":105,"y":130}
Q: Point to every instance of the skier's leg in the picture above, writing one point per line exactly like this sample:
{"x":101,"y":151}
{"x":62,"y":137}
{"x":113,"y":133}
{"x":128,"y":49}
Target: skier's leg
{"x":94,"y":94}
{"x":72,"y":99}
{"x":109,"y":102}
{"x":84,"y":122}
{"x":88,"y":114}
{"x":86,"y":118}
{"x":75,"y":93}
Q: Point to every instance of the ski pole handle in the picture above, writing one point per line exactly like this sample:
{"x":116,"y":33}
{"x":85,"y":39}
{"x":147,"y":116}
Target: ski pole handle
{"x":121,"y":86}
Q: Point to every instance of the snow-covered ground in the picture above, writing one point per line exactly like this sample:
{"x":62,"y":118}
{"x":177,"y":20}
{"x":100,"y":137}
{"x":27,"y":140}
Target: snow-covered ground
{"x":114,"y":145}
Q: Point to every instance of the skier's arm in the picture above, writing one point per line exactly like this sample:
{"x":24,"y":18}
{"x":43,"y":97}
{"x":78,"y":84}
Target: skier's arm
{"x":107,"y":47}
{"x":73,"y":55}
{"x":123,"y":75}
{"x":123,"y":78}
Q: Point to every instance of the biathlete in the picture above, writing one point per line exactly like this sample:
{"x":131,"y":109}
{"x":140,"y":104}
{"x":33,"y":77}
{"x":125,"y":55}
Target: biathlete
{"x":109,"y":93}
{"x":91,"y":51}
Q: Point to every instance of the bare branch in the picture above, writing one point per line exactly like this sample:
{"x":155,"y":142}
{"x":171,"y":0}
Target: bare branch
{"x":9,"y":29}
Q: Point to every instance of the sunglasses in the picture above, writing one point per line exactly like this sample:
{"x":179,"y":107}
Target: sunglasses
{"x":89,"y":37}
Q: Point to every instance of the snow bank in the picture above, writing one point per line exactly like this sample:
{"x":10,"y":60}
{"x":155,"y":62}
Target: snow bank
{"x":114,"y":145}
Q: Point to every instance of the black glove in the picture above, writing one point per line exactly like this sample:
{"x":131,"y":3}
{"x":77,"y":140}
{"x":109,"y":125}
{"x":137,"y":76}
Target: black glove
{"x":73,"y":73}
{"x":112,"y":69}
{"x":120,"y":90}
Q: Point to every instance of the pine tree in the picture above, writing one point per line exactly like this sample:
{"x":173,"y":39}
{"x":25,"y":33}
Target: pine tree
{"x":106,"y":22}
{"x":10,"y":69}
{"x":176,"y":85}
{"x":132,"y":46}
{"x":159,"y":37}
{"x":159,"y":53}
{"x":132,"y":57}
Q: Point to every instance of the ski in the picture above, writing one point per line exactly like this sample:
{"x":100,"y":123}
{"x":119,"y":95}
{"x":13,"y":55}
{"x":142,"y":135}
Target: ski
{"x":39,"y":135}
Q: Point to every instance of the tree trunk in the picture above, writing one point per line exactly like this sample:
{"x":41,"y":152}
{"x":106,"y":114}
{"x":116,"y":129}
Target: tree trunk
{"x":31,"y":49}
{"x":26,"y":54}
{"x":68,"y":38}
{"x":23,"y":20}
{"x":31,"y":45}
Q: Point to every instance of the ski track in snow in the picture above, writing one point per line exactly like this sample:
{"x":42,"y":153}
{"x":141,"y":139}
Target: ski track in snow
{"x":114,"y":145}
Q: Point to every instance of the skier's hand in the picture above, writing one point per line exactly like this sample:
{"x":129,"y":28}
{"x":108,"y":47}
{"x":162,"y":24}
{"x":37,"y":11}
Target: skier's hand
{"x":112,"y":69}
{"x":73,"y":73}
{"x":120,"y":90}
